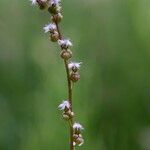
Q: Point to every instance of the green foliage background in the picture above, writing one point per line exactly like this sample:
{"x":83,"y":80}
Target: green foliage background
{"x":112,"y":99}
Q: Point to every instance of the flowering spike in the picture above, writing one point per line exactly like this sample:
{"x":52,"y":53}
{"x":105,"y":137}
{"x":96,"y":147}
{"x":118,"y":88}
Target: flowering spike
{"x":54,"y":8}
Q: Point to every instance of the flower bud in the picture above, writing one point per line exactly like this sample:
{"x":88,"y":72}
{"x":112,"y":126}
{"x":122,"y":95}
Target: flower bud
{"x":74,"y":76}
{"x":75,"y":136}
{"x":42,"y":4}
{"x":65,"y":117}
{"x":66,"y":54}
{"x":72,"y":114}
{"x":77,"y":131}
{"x":69,"y":113}
{"x":57,"y":17}
{"x":79,"y":141}
{"x":54,"y":36}
{"x":54,"y":9}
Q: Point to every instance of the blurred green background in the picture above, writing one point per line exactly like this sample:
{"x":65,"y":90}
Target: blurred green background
{"x":112,"y":99}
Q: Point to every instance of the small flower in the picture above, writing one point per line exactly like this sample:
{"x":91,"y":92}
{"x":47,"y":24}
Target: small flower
{"x":65,"y":43}
{"x":77,"y":126}
{"x":54,"y":2}
{"x":64,"y":105}
{"x":74,"y":65}
{"x":77,"y":129}
{"x":34,"y":2}
{"x":49,"y":27}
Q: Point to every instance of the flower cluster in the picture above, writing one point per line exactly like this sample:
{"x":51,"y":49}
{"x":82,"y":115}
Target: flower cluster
{"x":72,"y":68}
{"x":77,"y":128}
{"x":66,"y":53}
{"x":74,"y":74}
{"x":66,"y":108}
{"x":54,"y":8}
{"x":77,"y":136}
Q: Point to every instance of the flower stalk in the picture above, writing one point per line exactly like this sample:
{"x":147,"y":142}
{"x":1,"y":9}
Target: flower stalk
{"x":72,"y":68}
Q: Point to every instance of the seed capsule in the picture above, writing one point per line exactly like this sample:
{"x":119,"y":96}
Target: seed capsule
{"x":69,"y":113}
{"x":57,"y":17}
{"x":74,"y":76}
{"x":75,"y":136}
{"x":54,"y":36}
{"x":66,"y":54}
{"x":72,"y":114}
{"x":79,"y":141}
{"x":54,"y":9}
{"x":65,"y":117}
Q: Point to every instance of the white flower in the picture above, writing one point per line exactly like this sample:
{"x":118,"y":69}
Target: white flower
{"x":63,"y":105}
{"x":74,"y":65}
{"x":49,"y":27}
{"x":54,"y":2}
{"x":34,"y":2}
{"x":65,"y":43}
{"x":77,"y":126}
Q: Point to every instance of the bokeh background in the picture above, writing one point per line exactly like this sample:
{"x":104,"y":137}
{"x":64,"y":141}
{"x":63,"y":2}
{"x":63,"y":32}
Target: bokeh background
{"x":112,"y":99}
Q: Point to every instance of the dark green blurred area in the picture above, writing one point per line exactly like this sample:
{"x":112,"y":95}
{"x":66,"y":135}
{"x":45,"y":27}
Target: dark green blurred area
{"x":112,"y":99}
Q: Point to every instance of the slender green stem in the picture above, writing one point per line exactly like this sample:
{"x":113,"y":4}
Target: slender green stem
{"x":69,"y":91}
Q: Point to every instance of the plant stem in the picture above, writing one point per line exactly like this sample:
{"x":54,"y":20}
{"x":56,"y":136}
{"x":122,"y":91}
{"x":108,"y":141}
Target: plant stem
{"x":70,"y":100}
{"x":69,"y":91}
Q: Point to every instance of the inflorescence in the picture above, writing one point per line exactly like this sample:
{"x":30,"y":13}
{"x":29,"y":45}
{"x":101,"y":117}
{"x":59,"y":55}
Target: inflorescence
{"x":72,"y":68}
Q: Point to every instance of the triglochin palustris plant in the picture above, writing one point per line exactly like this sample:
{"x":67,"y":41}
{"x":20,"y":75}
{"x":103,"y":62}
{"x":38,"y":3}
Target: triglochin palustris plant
{"x":72,"y":68}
